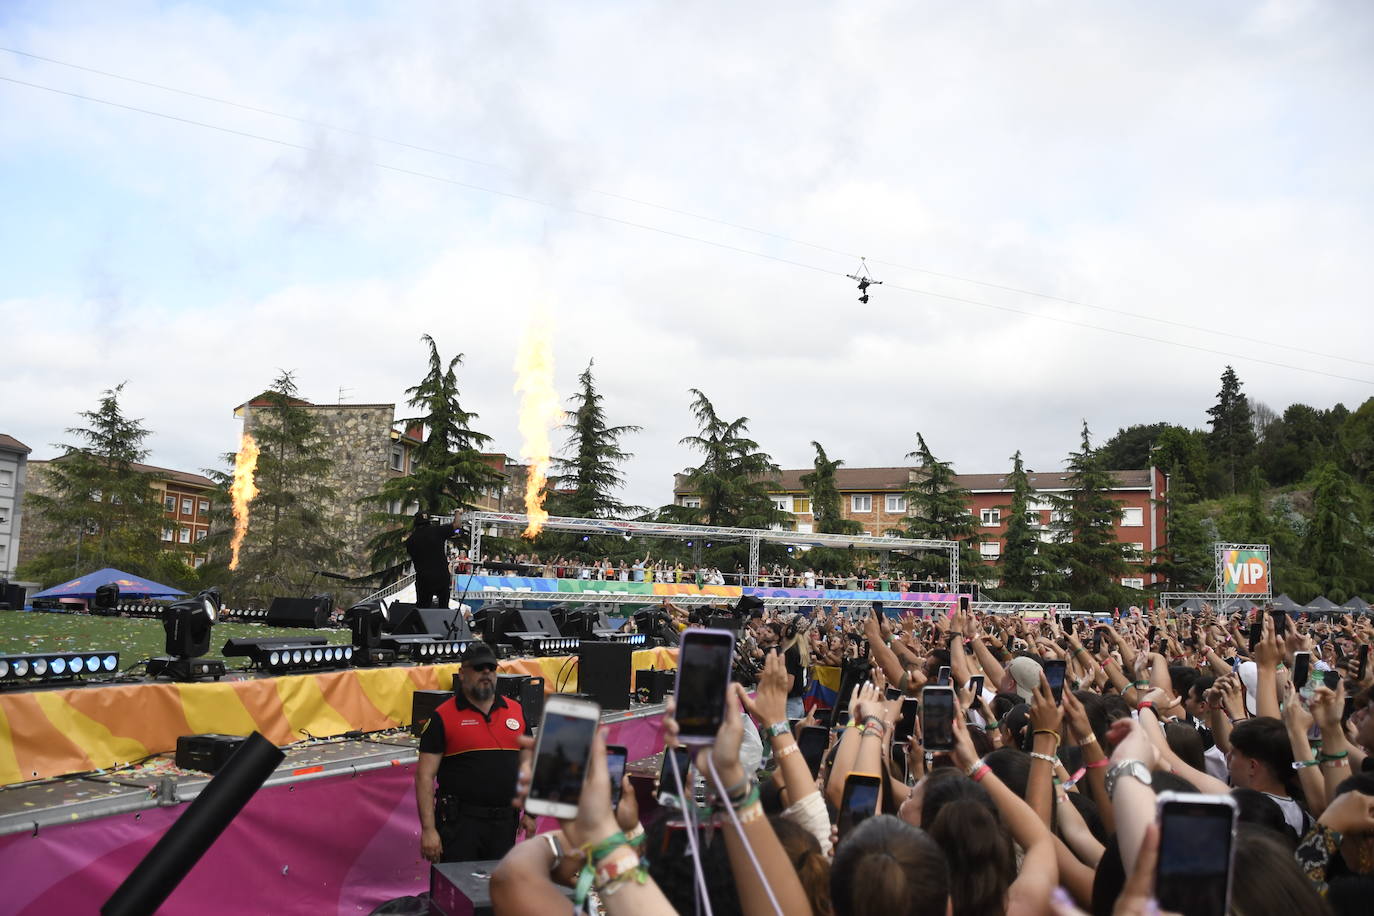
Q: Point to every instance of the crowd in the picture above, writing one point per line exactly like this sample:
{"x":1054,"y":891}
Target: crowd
{"x":647,"y":569}
{"x":1046,"y":802}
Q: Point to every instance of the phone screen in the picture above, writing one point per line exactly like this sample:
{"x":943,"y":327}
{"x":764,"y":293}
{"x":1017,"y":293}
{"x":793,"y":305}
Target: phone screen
{"x":975,"y":687}
{"x":703,"y":674}
{"x":667,"y":783}
{"x":616,"y":758}
{"x":1194,"y":872}
{"x":1097,"y":642}
{"x":1054,"y":673}
{"x":964,"y":603}
{"x":560,"y":761}
{"x":893,"y":694}
{"x":1163,"y":647}
{"x":1302,"y":664}
{"x":1364,"y":661}
{"x":942,"y":678}
{"x":813,"y":742}
{"x":1256,"y":631}
{"x":859,"y":802}
{"x":906,"y":720}
{"x":937,"y":718}
{"x":1150,"y":636}
{"x":1348,"y":709}
{"x":1280,"y":621}
{"x":1331,"y":680}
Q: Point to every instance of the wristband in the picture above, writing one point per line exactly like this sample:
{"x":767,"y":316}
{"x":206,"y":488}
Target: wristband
{"x":1145,"y":704}
{"x":978,"y":774}
{"x":974,"y":766}
{"x":1035,"y":755}
{"x":1073,"y":780}
{"x":752,"y":798}
{"x":598,"y":852}
{"x":1339,"y":755}
{"x":778,"y":729}
{"x":750,"y":813}
{"x":1303,"y":764}
{"x":1097,"y":763}
{"x":1047,"y":731}
{"x":1091,"y":739}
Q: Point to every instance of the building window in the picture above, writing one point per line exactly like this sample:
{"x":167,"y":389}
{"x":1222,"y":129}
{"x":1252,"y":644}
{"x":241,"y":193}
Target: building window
{"x":4,"y":519}
{"x":6,"y":479}
{"x":1033,"y":519}
{"x":861,"y":503}
{"x":1135,"y":582}
{"x":1135,"y":551}
{"x":97,"y":496}
{"x":801,"y":505}
{"x":691,"y":502}
{"x":170,"y":502}
{"x":1132,"y":518}
{"x":805,"y":528}
{"x":166,"y":534}
{"x":188,"y":506}
{"x":895,"y":503}
{"x":990,"y":518}
{"x":200,"y":534}
{"x":204,"y":506}
{"x":990,"y":550}
{"x":184,"y":536}
{"x":397,"y":458}
{"x":782,"y":503}
{"x":197,"y":562}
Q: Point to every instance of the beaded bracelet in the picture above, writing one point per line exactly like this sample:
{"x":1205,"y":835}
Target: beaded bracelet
{"x":1035,"y":755}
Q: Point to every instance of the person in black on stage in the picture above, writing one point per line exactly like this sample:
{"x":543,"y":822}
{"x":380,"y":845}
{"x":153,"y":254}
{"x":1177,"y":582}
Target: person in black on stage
{"x":471,"y":745}
{"x":425,"y":545}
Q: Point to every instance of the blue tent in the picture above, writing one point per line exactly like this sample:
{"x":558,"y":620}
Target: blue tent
{"x":129,"y":586}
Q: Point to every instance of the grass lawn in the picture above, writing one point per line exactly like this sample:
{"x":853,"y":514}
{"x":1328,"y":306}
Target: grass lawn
{"x":133,"y":638}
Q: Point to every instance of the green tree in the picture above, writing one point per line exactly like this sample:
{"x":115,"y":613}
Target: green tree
{"x":825,"y":495}
{"x":735,"y":477}
{"x":1130,"y":448}
{"x":1021,"y":565}
{"x":1232,"y":440}
{"x":289,"y":535}
{"x":1187,"y":561}
{"x":1357,"y":442}
{"x":1088,"y":558}
{"x":102,"y":509}
{"x":938,"y":509}
{"x":1337,"y":545}
{"x":448,"y":471}
{"x":587,"y":480}
{"x":1185,"y":451}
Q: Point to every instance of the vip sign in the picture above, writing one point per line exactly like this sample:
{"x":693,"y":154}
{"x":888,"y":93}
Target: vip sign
{"x":1245,"y":572}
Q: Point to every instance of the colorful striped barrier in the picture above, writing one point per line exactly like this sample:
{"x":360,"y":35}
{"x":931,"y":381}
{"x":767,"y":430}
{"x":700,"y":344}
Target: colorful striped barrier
{"x":476,"y":586}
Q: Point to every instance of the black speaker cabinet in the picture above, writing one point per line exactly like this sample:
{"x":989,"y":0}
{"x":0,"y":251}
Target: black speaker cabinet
{"x":527,"y":691}
{"x":422,"y":706}
{"x":538,"y":622}
{"x":447,"y":623}
{"x":653,"y":685}
{"x":11,"y":597}
{"x":300,"y":612}
{"x":603,"y":671}
{"x":206,"y":753}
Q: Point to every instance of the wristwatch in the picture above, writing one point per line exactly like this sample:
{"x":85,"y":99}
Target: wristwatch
{"x":1133,"y":768}
{"x":555,"y":848}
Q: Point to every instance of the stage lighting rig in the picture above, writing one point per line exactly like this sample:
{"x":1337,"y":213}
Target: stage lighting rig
{"x":426,"y":650}
{"x":279,"y":655}
{"x":539,"y":644}
{"x":187,"y":625}
{"x":49,"y":667}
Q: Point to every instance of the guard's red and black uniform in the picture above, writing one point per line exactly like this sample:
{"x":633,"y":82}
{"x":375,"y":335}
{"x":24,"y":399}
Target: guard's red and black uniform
{"x":472,"y":809}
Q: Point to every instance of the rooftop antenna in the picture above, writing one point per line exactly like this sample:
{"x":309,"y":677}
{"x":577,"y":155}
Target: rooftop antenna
{"x":342,"y":389}
{"x":864,"y":279}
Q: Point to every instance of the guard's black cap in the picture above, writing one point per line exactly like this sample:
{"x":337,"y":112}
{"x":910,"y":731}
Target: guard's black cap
{"x":479,"y":653}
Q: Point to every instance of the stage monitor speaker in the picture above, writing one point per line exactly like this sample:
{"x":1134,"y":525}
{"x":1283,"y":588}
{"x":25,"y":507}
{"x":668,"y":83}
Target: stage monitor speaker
{"x":603,"y":671}
{"x":527,"y":691}
{"x":300,"y":612}
{"x":653,"y":685}
{"x":11,"y":597}
{"x":445,"y":623}
{"x":206,"y":753}
{"x":422,"y":706}
{"x":532,"y":621}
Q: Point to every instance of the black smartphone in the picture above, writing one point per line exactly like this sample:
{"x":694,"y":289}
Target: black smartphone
{"x":862,"y":793}
{"x":1302,"y":669}
{"x":975,"y":686}
{"x":1256,"y":631}
{"x":851,"y":678}
{"x":906,"y":720}
{"x":1150,"y":635}
{"x":1347,"y":709}
{"x":964,"y":601}
{"x":703,"y":677}
{"x":1163,"y":647}
{"x":813,"y":742}
{"x":937,"y":718}
{"x":1331,"y":680}
{"x":1280,"y":622}
{"x":616,"y":758}
{"x":1097,"y":642}
{"x":1054,"y":673}
{"x":1197,"y":838}
{"x":1364,"y":661}
{"x":942,"y":678}
{"x":894,"y":694}
{"x":667,"y":784}
{"x":560,"y":756}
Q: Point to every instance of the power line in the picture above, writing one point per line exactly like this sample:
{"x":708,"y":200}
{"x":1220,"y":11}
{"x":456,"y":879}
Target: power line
{"x":309,"y":122}
{"x":678,"y":235}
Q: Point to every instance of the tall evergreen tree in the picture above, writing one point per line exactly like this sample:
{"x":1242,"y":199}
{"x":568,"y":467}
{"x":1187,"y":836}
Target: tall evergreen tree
{"x":938,"y":509}
{"x":734,"y":478}
{"x":1337,"y":544}
{"x":1022,"y":564}
{"x":587,"y":480}
{"x":447,"y":471}
{"x":289,"y":535}
{"x":1187,"y":562}
{"x":1232,"y":441}
{"x":101,"y":510}
{"x":825,"y":495}
{"x":1087,"y":554}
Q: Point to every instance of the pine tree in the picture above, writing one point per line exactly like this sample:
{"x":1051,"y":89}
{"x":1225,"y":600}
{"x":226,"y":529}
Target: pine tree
{"x":1022,"y":565}
{"x":938,"y":509}
{"x":825,"y":495}
{"x":734,"y":478}
{"x":1087,"y":554}
{"x":447,"y":472}
{"x":1337,"y":546}
{"x":1187,"y":562}
{"x":587,"y":480}
{"x":1232,"y":441}
{"x":289,"y":535}
{"x":102,"y":510}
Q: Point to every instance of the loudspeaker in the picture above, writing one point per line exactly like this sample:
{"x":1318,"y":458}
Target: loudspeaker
{"x":422,"y":706}
{"x":603,"y":671}
{"x":538,"y":622}
{"x":527,"y":691}
{"x":652,"y":685}
{"x":11,"y":597}
{"x":407,"y":619}
{"x":206,"y":753}
{"x":300,"y":612}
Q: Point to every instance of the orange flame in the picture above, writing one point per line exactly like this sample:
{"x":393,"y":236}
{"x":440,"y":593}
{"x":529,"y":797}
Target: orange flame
{"x":242,"y":491}
{"x":539,"y":414}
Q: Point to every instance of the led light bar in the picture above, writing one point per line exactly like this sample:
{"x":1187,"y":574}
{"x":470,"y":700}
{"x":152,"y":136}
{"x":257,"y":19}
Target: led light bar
{"x":540,"y":644}
{"x":277,"y":655}
{"x":426,"y":650}
{"x":48,"y":667}
{"x":634,"y":639}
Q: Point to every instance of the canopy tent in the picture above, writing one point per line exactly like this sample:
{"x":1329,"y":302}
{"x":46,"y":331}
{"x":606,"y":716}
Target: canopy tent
{"x":1192,"y":606}
{"x":1284,"y":603}
{"x":1358,"y":605}
{"x":1243,"y":605}
{"x":1322,"y":603}
{"x":129,"y":586}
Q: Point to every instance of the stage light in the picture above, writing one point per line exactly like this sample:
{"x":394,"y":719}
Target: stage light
{"x":586,"y":537}
{"x":187,"y":625}
{"x":109,"y":662}
{"x":296,"y":657}
{"x":59,"y":665}
{"x":708,"y":544}
{"x":20,"y":667}
{"x":689,"y":543}
{"x":20,"y":670}
{"x":40,"y":667}
{"x":281,"y":654}
{"x":4,"y":668}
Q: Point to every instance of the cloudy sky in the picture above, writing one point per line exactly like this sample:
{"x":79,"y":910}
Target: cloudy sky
{"x":1195,"y":174}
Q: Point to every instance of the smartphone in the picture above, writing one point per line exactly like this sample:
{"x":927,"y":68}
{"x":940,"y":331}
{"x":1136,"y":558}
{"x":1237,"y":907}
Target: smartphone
{"x":1150,"y":635}
{"x":906,"y":720}
{"x":560,"y":756}
{"x":1347,"y":709}
{"x":667,"y":784}
{"x":964,"y":603}
{"x":1364,"y":661}
{"x":616,"y":758}
{"x":942,"y":678}
{"x":1197,"y":839}
{"x":894,"y":694}
{"x":1280,"y":622}
{"x":813,"y":742}
{"x":975,"y":686}
{"x":1256,"y":631}
{"x":1163,"y":647}
{"x":937,"y":718}
{"x":1331,"y":680}
{"x":1097,"y":642}
{"x":1054,"y":673}
{"x":1302,"y":669}
{"x":862,"y":793}
{"x":703,"y":677}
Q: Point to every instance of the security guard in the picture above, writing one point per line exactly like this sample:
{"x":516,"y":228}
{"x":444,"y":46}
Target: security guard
{"x":472,"y":745}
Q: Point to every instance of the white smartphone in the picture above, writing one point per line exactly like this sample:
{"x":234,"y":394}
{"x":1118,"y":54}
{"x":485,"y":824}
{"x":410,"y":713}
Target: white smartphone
{"x":561,"y":755}
{"x":703,"y":677}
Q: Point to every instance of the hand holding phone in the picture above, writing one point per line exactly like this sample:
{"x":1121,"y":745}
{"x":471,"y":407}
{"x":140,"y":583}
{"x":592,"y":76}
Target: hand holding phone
{"x":862,"y":795}
{"x":703,"y":677}
{"x":1055,"y":669}
{"x":560,"y":756}
{"x":937,"y":718}
{"x":616,"y":758}
{"x":1197,"y":835}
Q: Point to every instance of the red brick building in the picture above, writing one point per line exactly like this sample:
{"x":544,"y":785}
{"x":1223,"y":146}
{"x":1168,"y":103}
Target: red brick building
{"x":876,"y":499}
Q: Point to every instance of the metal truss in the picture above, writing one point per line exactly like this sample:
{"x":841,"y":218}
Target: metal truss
{"x":724,"y":601}
{"x":1016,"y":607}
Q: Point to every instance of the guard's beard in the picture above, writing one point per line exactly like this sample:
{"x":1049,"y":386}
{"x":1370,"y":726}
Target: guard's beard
{"x":483,"y":692}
